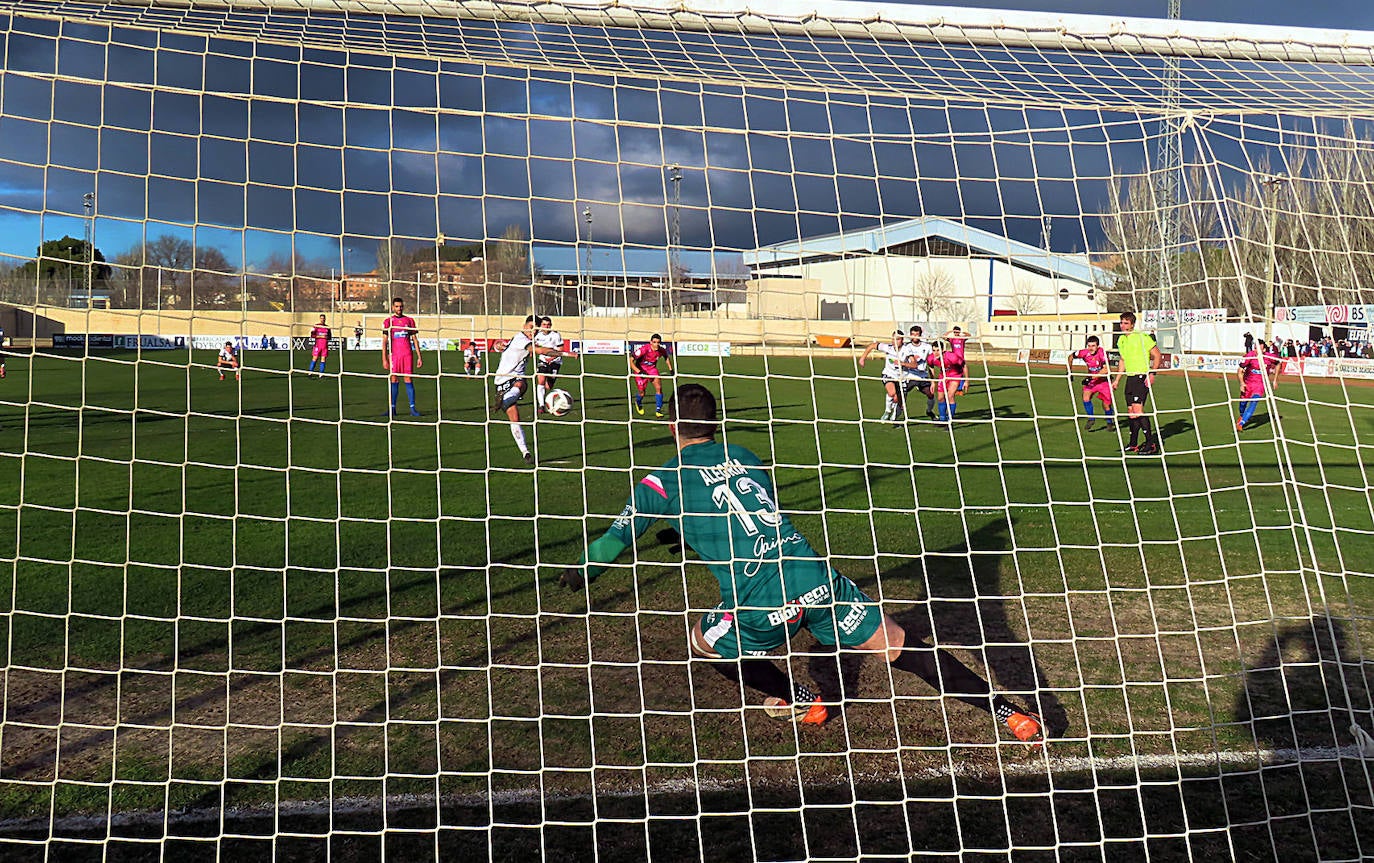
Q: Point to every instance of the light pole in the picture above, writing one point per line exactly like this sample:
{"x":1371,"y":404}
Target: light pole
{"x":675,"y":239}
{"x":586,"y":280}
{"x":88,"y":204}
{"x":1271,"y":187}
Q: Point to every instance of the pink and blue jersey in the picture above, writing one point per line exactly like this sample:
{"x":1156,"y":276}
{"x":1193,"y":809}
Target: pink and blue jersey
{"x":646,"y":357}
{"x":397,"y":330}
{"x":1254,"y":368}
{"x":1096,"y":361}
{"x":321,"y":335}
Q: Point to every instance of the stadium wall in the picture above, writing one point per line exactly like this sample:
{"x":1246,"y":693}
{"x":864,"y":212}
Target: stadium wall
{"x":282,"y":324}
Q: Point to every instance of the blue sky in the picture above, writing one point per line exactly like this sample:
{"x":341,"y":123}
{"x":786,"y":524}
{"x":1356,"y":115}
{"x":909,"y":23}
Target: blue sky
{"x":1330,"y":14}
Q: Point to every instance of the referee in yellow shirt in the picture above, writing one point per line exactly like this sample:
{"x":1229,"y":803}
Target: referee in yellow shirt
{"x":1140,"y":357}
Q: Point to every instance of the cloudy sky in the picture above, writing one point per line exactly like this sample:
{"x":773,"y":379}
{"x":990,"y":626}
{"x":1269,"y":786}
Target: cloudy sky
{"x":1331,"y":14}
{"x":262,"y":150}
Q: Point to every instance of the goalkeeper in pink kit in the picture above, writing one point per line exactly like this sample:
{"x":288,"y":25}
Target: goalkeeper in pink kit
{"x":1097,"y":384}
{"x":1255,"y":369}
{"x":319,"y":351}
{"x":401,"y":352}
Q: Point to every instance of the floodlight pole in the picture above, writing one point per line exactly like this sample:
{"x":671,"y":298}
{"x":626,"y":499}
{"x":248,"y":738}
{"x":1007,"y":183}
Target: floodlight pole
{"x":1271,"y":187}
{"x":88,"y":204}
{"x":585,"y":281}
{"x":1169,"y":160}
{"x":675,"y":175}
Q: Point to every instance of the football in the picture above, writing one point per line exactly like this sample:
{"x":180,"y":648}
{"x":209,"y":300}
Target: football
{"x":558,"y":402}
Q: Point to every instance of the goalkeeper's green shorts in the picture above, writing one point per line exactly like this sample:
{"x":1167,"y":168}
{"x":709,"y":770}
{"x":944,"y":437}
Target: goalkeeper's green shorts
{"x":835,"y":611}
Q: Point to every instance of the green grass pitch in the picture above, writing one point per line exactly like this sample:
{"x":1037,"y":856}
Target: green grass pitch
{"x":227,"y":594}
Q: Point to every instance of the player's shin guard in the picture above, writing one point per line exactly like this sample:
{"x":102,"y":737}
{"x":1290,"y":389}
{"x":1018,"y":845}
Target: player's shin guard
{"x":1088,"y":406}
{"x":410,"y":394}
{"x":538,"y":396}
{"x":1135,"y":430}
{"x":395,"y":393}
{"x":658,"y":401}
{"x":944,"y":411}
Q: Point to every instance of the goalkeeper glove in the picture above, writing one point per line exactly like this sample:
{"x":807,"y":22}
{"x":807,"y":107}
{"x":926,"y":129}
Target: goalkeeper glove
{"x":572,"y":578}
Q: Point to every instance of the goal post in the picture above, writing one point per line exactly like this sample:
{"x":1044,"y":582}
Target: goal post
{"x":301,"y":612}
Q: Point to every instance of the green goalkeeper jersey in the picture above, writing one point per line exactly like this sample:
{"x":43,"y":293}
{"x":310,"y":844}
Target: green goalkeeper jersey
{"x":720,"y":498}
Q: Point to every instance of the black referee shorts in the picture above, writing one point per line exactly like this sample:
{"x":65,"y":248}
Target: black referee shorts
{"x":1137,"y":389}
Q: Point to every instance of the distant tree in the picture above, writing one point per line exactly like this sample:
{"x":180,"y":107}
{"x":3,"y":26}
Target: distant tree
{"x":509,"y":274}
{"x":932,"y":291}
{"x":1307,"y":228}
{"x":186,"y":276}
{"x":65,"y":267}
{"x":1024,"y":299}
{"x":211,"y":280}
{"x":460,"y":254}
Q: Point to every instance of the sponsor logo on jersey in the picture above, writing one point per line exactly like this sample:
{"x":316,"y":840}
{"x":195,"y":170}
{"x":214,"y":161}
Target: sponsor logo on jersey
{"x":795,"y":608}
{"x":856,"y":616}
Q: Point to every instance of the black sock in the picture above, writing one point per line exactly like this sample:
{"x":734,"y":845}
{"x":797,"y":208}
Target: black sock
{"x":951,"y":677}
{"x":1149,"y":432}
{"x":760,"y":674}
{"x":1135,"y":430}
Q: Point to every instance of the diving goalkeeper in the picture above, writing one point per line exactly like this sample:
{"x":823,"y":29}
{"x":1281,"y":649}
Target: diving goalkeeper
{"x":772,"y":583}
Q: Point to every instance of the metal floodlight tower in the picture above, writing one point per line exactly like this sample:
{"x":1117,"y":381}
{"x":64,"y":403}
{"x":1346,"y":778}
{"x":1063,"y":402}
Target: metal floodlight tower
{"x":1271,"y":214}
{"x":675,"y":238}
{"x":88,"y":205}
{"x":1169,"y":161}
{"x":586,"y":280}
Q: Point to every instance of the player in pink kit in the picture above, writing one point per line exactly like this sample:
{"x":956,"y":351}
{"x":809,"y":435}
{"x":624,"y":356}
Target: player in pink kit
{"x":951,"y":365}
{"x":644,"y":362}
{"x":957,"y":338}
{"x":1097,"y":383}
{"x":319,"y":351}
{"x":1256,"y":367}
{"x":401,"y":352}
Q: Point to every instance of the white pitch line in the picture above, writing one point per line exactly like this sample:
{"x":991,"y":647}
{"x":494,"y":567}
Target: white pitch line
{"x":1071,"y":764}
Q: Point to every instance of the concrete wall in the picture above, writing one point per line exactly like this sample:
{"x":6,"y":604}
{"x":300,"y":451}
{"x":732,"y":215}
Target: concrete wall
{"x":750,"y":330}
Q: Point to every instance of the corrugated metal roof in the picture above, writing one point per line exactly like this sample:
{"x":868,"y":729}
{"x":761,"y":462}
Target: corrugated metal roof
{"x":874,"y":241}
{"x":634,"y":263}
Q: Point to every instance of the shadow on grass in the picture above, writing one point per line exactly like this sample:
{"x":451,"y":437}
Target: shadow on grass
{"x":1307,"y":687}
{"x":967,"y":607}
{"x":1173,"y":428}
{"x":1303,"y":694}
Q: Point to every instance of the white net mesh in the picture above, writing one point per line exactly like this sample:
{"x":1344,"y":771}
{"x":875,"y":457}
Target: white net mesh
{"x":249,"y":614}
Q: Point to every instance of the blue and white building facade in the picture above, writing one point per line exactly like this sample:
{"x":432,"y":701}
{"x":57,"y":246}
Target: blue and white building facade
{"x":931,"y":268}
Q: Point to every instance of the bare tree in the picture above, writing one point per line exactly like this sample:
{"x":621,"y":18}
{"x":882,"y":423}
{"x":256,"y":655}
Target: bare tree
{"x":1024,"y":299}
{"x":509,"y":276}
{"x":1307,"y":228}
{"x":932,"y":290}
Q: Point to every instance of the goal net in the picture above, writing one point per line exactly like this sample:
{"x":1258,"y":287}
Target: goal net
{"x":282,"y":560}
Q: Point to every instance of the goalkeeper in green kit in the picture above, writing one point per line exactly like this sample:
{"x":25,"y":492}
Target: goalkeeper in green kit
{"x":772,"y":582}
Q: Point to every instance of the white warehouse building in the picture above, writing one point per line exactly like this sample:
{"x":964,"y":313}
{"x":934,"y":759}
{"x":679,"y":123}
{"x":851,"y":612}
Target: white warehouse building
{"x":930,"y":268}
